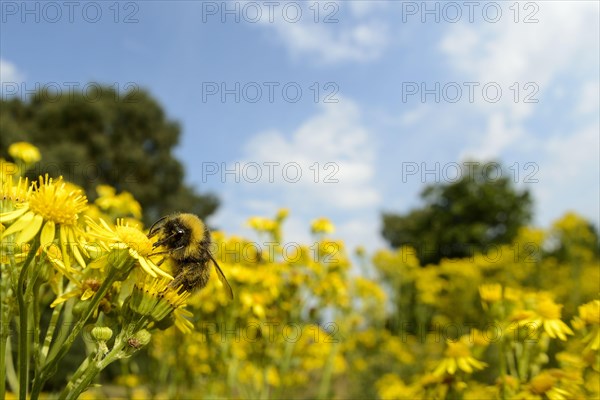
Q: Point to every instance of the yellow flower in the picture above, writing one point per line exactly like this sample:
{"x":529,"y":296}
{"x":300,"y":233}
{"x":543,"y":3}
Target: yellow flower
{"x":512,"y":294}
{"x":282,"y":214}
{"x":479,"y":338}
{"x":50,"y":205}
{"x":549,"y":317}
{"x":390,"y":386}
{"x":262,"y":224}
{"x":546,"y":316}
{"x":546,"y":384}
{"x":458,"y":356}
{"x":125,"y":237}
{"x":122,"y":204}
{"x":84,"y":291}
{"x":322,"y":225}
{"x":589,"y":314}
{"x":25,"y":152}
{"x":491,"y":292}
{"x":154,"y":298}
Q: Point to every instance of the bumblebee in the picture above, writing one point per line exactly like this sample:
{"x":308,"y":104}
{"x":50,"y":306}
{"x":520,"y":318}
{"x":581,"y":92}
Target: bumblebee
{"x":186,"y":241}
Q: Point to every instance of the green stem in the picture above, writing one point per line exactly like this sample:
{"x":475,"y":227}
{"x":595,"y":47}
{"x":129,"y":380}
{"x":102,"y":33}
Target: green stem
{"x":328,"y":372}
{"x":4,"y":329}
{"x":524,"y":362}
{"x":55,"y":357}
{"x":11,"y":374}
{"x":80,"y":383}
{"x":36,"y":317}
{"x":502,"y":359}
{"x":3,"y":343}
{"x":510,"y":357}
{"x":50,"y":332}
{"x":287,"y":358}
{"x":80,"y":371}
{"x":23,"y":321}
{"x":84,"y":382}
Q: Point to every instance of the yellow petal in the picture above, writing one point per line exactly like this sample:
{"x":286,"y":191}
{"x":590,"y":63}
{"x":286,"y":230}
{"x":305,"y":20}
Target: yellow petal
{"x":63,"y":245}
{"x":147,"y":268}
{"x":549,"y":329}
{"x":477,"y":364}
{"x":74,"y":247}
{"x":30,"y":230}
{"x":98,"y":262}
{"x":19,"y":224}
{"x":65,"y":297}
{"x":451,"y":366}
{"x":60,"y":266}
{"x":87,"y":294}
{"x":14,"y":214}
{"x":440,"y":369}
{"x":48,"y":233}
{"x":78,"y":256}
{"x":464,"y":365}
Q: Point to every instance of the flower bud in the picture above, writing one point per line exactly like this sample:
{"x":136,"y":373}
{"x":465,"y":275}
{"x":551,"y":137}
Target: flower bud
{"x":139,"y":339}
{"x":102,"y":333}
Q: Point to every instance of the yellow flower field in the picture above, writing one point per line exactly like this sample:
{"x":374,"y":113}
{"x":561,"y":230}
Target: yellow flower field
{"x":311,"y":320}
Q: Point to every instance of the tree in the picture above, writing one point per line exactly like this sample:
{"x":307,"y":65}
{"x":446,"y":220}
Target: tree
{"x":106,"y":137}
{"x":462,"y":217}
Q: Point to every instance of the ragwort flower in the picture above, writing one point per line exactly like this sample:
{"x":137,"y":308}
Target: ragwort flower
{"x":549,"y":318}
{"x":490,"y":293}
{"x":155,"y":299}
{"x":322,"y":225}
{"x":125,"y":237}
{"x":25,"y":152}
{"x":458,"y":357}
{"x":589,"y":314}
{"x":547,"y":384}
{"x":50,"y":205}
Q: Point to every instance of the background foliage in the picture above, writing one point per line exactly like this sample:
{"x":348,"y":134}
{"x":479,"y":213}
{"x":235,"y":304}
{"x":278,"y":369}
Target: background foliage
{"x":458,"y":218}
{"x":106,"y":137}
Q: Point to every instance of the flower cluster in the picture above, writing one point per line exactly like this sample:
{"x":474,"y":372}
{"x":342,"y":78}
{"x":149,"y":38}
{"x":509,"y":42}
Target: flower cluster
{"x":312,"y":320}
{"x":69,"y":262}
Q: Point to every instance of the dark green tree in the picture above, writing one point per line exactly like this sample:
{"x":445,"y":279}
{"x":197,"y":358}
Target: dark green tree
{"x":105,"y":137}
{"x":460,"y":218}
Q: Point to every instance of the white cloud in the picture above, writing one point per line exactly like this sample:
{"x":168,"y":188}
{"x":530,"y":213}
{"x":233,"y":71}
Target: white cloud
{"x":363,"y":39}
{"x":363,"y":8}
{"x":589,"y":102}
{"x":569,"y":172}
{"x":9,"y":72}
{"x":508,"y":51}
{"x":336,"y":135}
{"x":563,"y":44}
{"x":501,"y":133}
{"x":337,"y":141}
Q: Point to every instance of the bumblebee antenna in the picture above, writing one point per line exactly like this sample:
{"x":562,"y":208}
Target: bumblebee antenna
{"x":152,"y":232}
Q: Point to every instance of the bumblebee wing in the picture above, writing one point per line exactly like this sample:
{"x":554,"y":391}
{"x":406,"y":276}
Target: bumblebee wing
{"x":221,"y":277}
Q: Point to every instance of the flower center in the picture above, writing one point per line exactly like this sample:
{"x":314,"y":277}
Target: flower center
{"x":590,"y":312}
{"x":548,"y":309}
{"x":55,"y":203}
{"x":134,"y":239}
{"x":542,"y":383}
{"x":458,"y":350}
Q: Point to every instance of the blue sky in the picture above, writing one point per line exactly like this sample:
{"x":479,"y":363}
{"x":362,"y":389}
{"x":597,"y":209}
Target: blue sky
{"x":375,"y":68}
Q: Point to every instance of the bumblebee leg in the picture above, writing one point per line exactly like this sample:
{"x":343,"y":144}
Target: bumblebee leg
{"x":191,"y":277}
